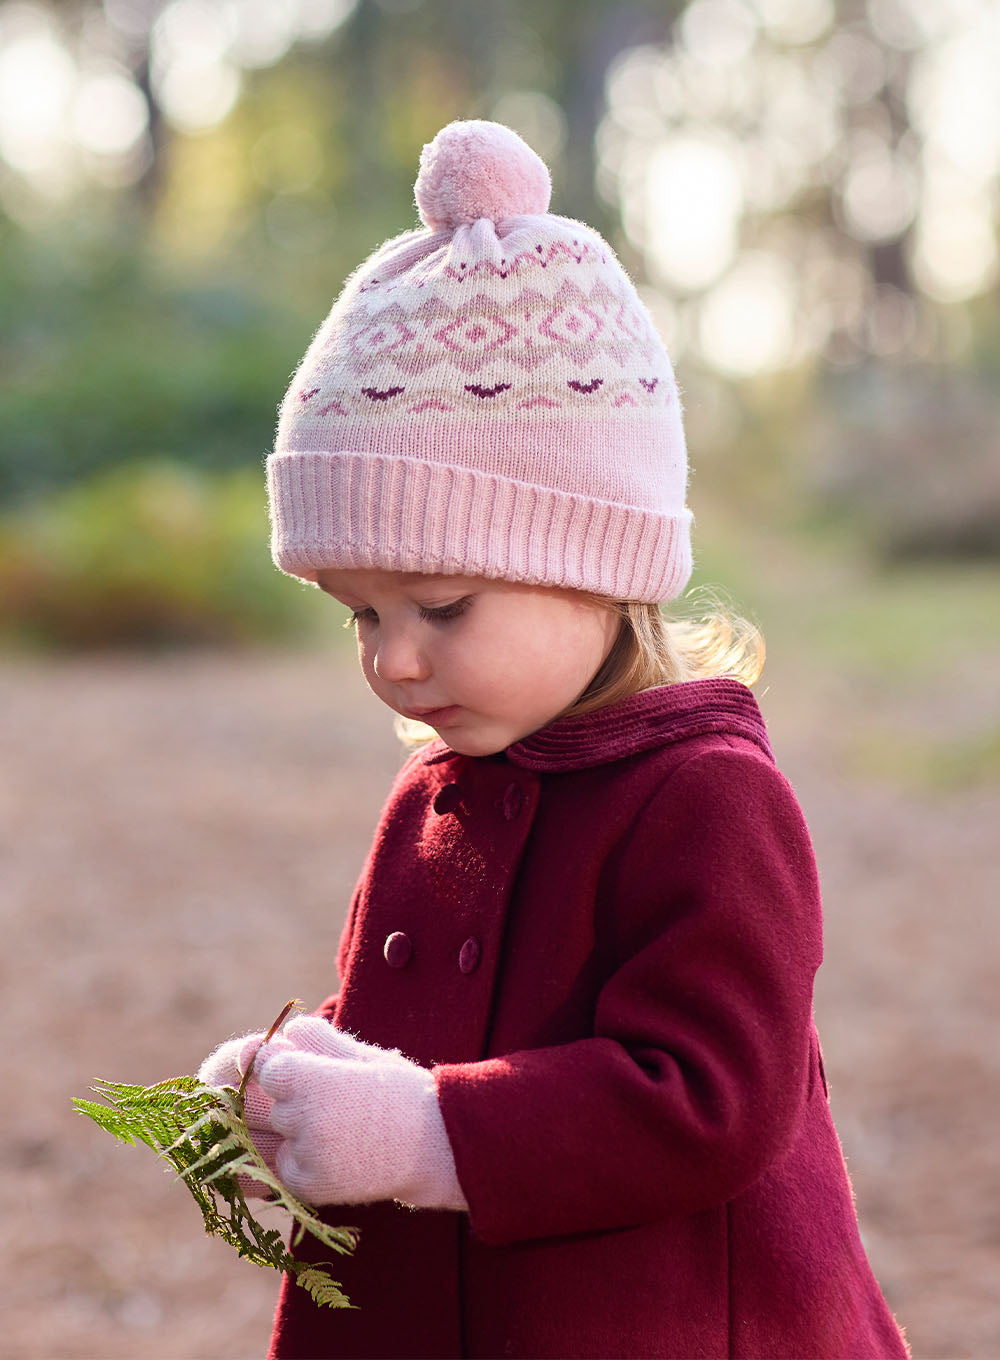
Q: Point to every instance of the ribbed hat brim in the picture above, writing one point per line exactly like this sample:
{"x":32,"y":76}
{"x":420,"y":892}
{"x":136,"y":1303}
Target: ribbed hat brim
{"x":349,"y":509}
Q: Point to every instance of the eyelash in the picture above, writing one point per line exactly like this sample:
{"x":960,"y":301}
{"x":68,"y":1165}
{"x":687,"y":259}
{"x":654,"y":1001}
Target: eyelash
{"x":443,"y":615}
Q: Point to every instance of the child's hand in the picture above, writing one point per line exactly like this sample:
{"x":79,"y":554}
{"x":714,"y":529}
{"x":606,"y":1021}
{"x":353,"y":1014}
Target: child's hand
{"x":359,"y":1123}
{"x":226,"y":1066}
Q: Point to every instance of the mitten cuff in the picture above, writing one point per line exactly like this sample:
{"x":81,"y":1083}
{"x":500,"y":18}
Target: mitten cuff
{"x":433,"y":1183}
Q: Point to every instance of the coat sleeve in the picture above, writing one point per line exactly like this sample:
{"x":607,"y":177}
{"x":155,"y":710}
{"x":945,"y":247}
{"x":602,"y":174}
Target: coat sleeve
{"x":695,"y":1074}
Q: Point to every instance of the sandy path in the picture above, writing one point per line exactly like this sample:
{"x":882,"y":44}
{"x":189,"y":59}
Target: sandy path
{"x":179,"y":838}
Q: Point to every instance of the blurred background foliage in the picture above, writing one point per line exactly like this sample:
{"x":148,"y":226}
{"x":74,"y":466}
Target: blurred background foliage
{"x":806,"y":193}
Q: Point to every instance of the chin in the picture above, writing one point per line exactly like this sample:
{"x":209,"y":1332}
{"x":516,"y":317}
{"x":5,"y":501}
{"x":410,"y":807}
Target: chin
{"x":471,"y":745}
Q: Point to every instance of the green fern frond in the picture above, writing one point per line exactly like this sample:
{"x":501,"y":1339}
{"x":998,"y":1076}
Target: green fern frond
{"x":200,"y":1131}
{"x":323,"y":1290}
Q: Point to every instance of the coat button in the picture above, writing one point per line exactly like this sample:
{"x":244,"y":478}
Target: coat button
{"x":468,"y":955}
{"x":447,"y":799}
{"x":513,"y":800}
{"x":398,"y":949}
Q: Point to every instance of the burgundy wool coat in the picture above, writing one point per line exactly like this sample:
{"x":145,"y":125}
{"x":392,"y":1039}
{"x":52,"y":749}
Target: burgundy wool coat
{"x":603,"y":940}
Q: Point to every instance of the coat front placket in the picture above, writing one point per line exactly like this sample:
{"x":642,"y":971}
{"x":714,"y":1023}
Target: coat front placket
{"x":424,"y":962}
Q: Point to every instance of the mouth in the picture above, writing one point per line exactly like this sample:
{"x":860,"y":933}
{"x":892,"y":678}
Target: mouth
{"x":433,"y":717}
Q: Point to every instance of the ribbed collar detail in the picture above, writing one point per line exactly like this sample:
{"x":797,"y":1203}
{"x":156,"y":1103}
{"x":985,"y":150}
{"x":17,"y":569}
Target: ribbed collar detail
{"x":643,"y":722}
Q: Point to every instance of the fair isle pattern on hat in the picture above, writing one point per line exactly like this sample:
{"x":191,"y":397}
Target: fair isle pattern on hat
{"x":589,"y":346}
{"x":489,"y":398}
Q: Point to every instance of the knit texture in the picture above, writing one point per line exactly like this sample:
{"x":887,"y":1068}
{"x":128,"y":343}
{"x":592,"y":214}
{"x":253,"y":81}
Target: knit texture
{"x":488,"y":397}
{"x":225,"y":1066}
{"x":357,"y":1123}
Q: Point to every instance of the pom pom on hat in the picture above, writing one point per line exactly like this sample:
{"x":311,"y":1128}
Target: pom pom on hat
{"x":476,"y":169}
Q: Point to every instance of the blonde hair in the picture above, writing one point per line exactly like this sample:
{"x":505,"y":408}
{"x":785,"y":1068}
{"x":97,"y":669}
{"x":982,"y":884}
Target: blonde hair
{"x":653,"y":649}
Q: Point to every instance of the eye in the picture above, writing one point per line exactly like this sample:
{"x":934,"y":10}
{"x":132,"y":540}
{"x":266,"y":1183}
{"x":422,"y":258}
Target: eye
{"x":446,"y":611}
{"x":441,"y":614}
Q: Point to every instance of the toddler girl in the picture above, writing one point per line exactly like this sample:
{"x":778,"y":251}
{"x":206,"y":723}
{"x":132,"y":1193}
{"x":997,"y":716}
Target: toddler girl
{"x":570,"y":1089}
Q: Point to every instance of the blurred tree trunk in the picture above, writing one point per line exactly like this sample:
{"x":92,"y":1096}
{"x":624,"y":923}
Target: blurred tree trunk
{"x":142,"y":15}
{"x":146,"y":189}
{"x":364,"y":38}
{"x":582,"y":38}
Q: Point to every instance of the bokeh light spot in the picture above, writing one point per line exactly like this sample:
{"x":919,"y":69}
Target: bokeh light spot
{"x":263,"y":32}
{"x":795,"y":21}
{"x":718,"y":31}
{"x":317,"y":18}
{"x":747,"y":320}
{"x":37,"y":79}
{"x":879,"y":197}
{"x":109,"y":115}
{"x":693,"y":201}
{"x":955,"y":249}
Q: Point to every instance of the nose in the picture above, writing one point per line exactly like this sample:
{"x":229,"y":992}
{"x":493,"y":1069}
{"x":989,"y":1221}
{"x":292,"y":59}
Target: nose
{"x":399,"y":658}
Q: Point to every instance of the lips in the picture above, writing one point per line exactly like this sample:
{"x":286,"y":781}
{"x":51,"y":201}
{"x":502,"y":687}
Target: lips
{"x":431,"y":716}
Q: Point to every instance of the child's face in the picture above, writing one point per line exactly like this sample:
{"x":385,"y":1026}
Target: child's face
{"x":482,"y":662}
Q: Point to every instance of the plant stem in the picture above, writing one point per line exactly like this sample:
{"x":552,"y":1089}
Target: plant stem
{"x":267,"y":1037}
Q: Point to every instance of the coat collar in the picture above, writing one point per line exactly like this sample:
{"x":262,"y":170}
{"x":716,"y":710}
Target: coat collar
{"x":656,"y":717}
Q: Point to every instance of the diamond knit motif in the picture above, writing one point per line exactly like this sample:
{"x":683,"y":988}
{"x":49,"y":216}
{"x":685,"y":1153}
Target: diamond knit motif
{"x":560,"y":341}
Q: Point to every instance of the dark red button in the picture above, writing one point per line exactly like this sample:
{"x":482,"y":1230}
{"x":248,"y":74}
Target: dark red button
{"x":513,"y":801}
{"x":447,"y":799}
{"x":468,"y":955}
{"x":398,"y":949}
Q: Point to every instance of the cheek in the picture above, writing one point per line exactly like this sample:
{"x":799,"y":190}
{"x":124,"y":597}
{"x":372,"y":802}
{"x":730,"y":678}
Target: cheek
{"x":548,"y":667}
{"x":568,"y":652}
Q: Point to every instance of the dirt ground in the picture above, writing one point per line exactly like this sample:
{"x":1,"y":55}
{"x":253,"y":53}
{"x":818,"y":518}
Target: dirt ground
{"x":179,"y":837}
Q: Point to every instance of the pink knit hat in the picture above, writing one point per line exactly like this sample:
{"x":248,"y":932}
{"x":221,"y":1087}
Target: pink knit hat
{"x":487,"y":397}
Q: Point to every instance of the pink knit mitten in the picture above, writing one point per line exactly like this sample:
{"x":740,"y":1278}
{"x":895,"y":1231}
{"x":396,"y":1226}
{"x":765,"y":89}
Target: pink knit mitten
{"x":359,"y":1123}
{"x":225,"y":1066}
